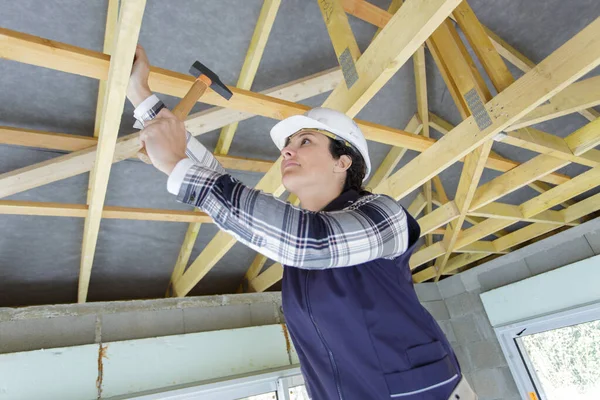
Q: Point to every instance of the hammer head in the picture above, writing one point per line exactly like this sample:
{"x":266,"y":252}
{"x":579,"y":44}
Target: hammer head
{"x":197,"y":69}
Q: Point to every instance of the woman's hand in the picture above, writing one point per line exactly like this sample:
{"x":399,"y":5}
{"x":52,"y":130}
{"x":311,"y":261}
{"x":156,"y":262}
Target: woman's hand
{"x":138,"y":89}
{"x":165,"y":140}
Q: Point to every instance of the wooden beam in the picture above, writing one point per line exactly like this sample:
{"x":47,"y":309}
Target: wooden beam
{"x":556,"y":195}
{"x":297,"y":90}
{"x":364,"y":10}
{"x":512,"y":212}
{"x":585,"y":139}
{"x":426,"y":254}
{"x":481,"y":230}
{"x":582,"y":53}
{"x":577,"y":97}
{"x":47,"y":53}
{"x":474,"y":92}
{"x":343,"y":41}
{"x":582,"y":208}
{"x":438,"y":217}
{"x":544,"y":143}
{"x":423,"y":112}
{"x":402,"y":36}
{"x":68,"y":142}
{"x":255,"y":52}
{"x":523,"y":235}
{"x":130,"y":22}
{"x":394,"y":156}
{"x":112,"y":17}
{"x":417,"y":205}
{"x":268,"y":278}
{"x":444,"y":127}
{"x":14,"y":207}
{"x":516,"y":178}
{"x":482,"y":45}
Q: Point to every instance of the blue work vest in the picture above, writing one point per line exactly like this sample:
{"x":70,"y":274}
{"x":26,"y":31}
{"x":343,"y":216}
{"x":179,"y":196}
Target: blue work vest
{"x":361,"y":333}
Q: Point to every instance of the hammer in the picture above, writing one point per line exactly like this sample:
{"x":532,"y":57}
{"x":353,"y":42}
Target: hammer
{"x":204,"y":78}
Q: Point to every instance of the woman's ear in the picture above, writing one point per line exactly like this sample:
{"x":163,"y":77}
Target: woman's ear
{"x":342,"y":164}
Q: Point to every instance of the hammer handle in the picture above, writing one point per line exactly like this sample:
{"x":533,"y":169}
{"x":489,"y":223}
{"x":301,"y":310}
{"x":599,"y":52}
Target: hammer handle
{"x":183,"y":108}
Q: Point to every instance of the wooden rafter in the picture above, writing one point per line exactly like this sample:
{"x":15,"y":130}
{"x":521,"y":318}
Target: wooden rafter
{"x":33,"y":50}
{"x":13,"y":207}
{"x":127,"y":31}
{"x":378,"y":17}
{"x":511,"y":111}
{"x":532,"y":89}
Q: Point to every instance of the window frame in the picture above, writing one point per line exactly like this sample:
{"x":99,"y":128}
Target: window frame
{"x":518,"y":360}
{"x":278,"y":381}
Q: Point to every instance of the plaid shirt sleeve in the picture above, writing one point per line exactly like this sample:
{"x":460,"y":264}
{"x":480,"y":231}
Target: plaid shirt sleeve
{"x":373,"y":227}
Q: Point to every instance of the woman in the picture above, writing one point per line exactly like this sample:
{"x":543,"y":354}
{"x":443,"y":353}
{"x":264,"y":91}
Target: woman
{"x":348,"y":297}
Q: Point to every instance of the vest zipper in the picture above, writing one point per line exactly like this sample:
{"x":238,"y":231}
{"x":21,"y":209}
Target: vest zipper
{"x":336,"y":374}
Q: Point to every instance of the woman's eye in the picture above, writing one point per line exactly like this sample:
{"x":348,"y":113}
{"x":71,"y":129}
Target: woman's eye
{"x":305,"y":141}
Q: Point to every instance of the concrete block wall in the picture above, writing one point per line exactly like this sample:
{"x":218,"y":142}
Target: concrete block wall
{"x":44,"y":327}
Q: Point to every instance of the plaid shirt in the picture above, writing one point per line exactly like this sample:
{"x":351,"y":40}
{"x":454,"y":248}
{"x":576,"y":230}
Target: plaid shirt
{"x":374,"y":226}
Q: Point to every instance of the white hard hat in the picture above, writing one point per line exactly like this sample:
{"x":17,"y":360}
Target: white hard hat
{"x":326,"y":119}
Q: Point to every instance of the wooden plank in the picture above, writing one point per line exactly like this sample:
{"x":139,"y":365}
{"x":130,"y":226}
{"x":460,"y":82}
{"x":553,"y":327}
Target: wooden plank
{"x":444,"y":127}
{"x":297,"y":90}
{"x":394,"y":156}
{"x":474,"y":92}
{"x":268,"y":278}
{"x":438,"y":217}
{"x":417,"y":205}
{"x":516,"y":178}
{"x":255,"y":52}
{"x":401,"y":37}
{"x":582,"y":208}
{"x":112,"y":17}
{"x":481,"y":230}
{"x":362,"y":9}
{"x":185,"y":251}
{"x":343,"y":41}
{"x":544,"y":143}
{"x":45,"y":140}
{"x":512,"y":212}
{"x":82,"y":161}
{"x":15,"y":207}
{"x":426,"y":254}
{"x":478,"y":247}
{"x":583,"y":54}
{"x":253,"y":271}
{"x":585,"y":139}
{"x":556,"y":195}
{"x":130,"y":22}
{"x":369,"y":13}
{"x":577,"y":97}
{"x":68,"y":142}
{"x":482,"y":45}
{"x":509,"y":53}
{"x":51,"y":54}
{"x":423,"y":113}
{"x":523,"y":235}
